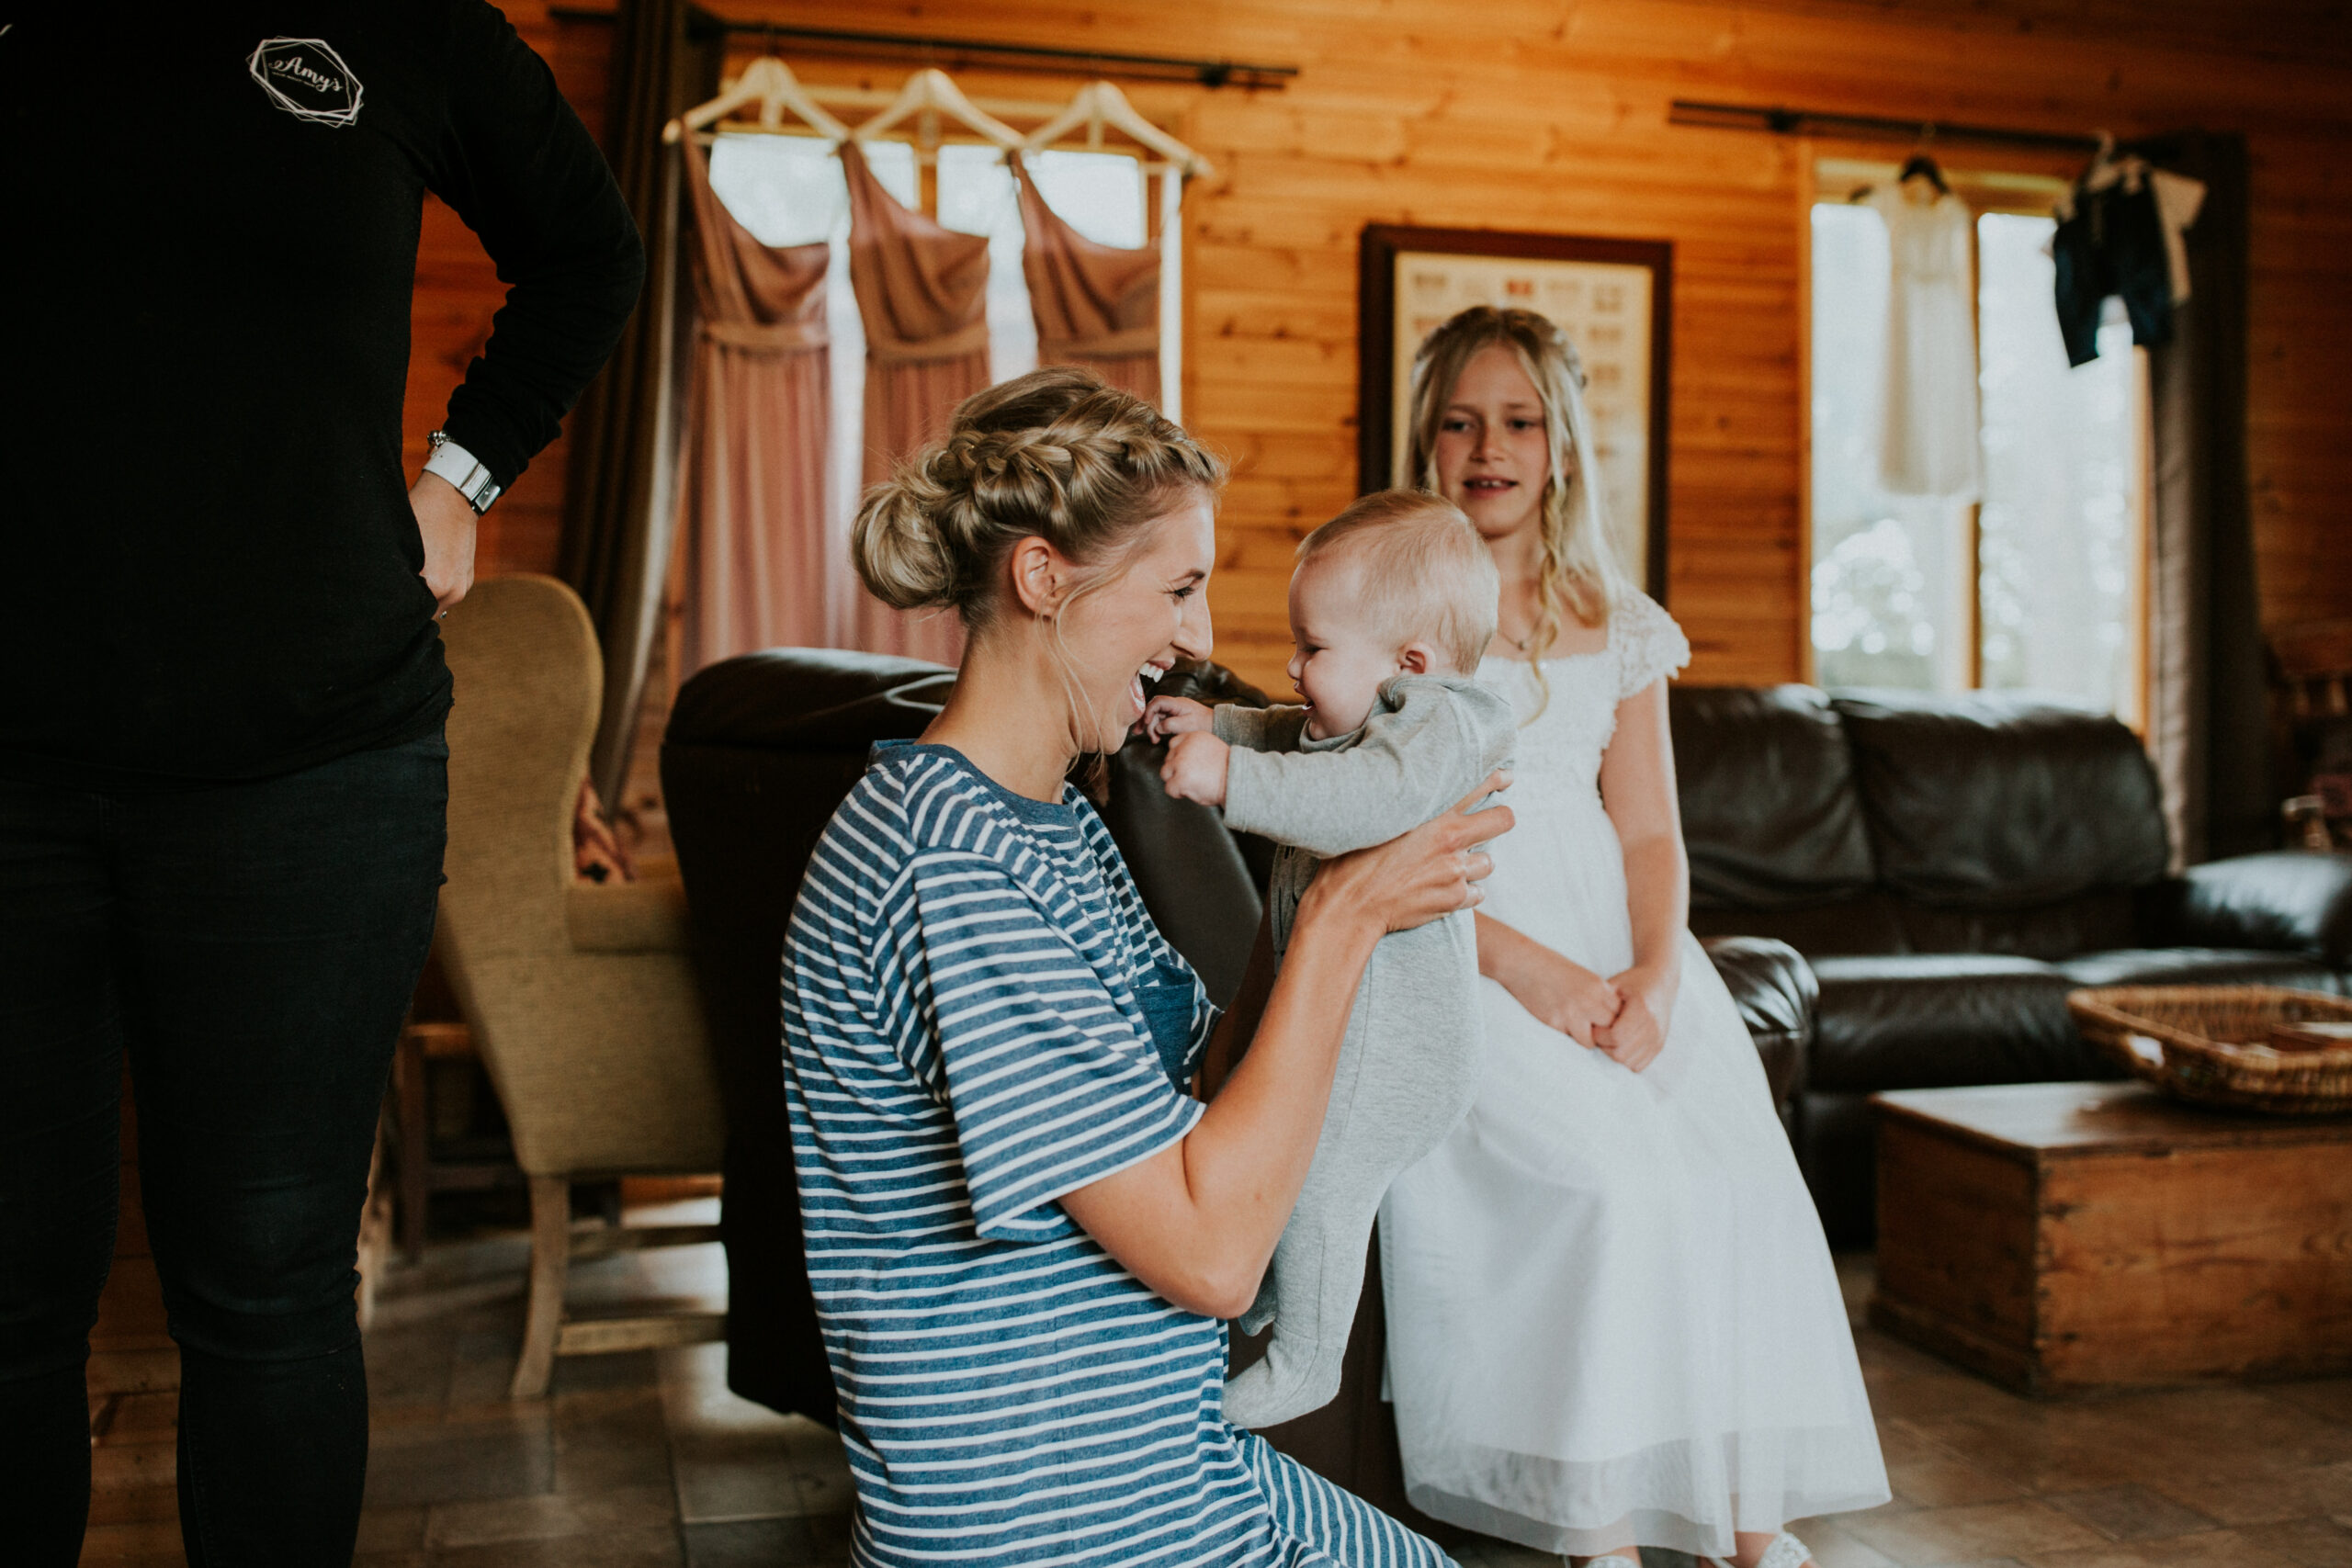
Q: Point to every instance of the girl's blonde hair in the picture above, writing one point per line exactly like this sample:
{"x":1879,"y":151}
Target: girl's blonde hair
{"x":1055,"y":454}
{"x":1579,"y":572}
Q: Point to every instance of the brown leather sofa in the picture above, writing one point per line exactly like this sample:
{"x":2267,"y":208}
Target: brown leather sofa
{"x":1950,"y":867}
{"x":760,"y":749}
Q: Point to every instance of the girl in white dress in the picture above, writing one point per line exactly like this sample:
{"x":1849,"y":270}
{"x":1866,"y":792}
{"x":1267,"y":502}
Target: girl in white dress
{"x":1613,"y":1318}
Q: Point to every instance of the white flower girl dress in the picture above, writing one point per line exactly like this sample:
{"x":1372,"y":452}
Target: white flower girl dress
{"x":1612,"y":1314}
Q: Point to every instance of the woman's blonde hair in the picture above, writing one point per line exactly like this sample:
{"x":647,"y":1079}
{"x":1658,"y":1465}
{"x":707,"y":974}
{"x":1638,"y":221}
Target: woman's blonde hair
{"x":1055,"y":454}
{"x":1579,"y":570}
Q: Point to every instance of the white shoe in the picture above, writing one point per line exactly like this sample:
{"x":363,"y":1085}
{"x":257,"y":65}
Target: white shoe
{"x":1786,"y":1552}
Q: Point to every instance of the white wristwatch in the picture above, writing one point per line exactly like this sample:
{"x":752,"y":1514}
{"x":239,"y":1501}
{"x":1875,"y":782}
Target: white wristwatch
{"x":461,"y":467}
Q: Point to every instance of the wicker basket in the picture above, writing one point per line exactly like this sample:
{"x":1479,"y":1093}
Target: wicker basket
{"x":2210,"y":1044}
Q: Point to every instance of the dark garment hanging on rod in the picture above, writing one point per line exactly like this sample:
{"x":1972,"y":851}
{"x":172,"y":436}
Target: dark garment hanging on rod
{"x":2112,"y":243}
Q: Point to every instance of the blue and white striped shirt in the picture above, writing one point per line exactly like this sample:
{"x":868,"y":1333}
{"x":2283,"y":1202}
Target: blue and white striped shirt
{"x":967,"y":984}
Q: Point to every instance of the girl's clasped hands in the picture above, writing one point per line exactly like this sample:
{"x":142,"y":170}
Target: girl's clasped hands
{"x":1623,"y":1017}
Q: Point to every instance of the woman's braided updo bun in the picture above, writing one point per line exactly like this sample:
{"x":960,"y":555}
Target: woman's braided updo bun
{"x":1055,"y":454}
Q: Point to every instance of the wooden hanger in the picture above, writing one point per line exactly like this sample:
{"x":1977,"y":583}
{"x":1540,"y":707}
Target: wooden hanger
{"x":769,"y":82}
{"x":1100,"y":104}
{"x":1919,"y":165}
{"x":931,"y":91}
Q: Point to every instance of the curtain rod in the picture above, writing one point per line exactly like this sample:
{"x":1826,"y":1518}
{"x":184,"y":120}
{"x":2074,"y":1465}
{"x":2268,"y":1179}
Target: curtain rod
{"x":1821,"y":122}
{"x":932,"y":50}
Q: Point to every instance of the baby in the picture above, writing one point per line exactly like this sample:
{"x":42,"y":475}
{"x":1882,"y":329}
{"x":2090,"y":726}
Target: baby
{"x":1391,"y":607}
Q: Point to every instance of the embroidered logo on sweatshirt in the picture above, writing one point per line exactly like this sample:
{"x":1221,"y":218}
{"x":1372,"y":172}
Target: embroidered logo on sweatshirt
{"x":307,"y":78}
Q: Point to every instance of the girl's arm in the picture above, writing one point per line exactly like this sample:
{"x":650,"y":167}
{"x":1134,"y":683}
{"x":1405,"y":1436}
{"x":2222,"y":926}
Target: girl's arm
{"x":1637,"y":791}
{"x":1623,"y":1014}
{"x":1198,"y":1221}
{"x":1556,"y":990}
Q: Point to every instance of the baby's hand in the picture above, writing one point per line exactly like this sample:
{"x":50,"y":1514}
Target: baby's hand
{"x":1196,"y":768}
{"x":1164,"y":716}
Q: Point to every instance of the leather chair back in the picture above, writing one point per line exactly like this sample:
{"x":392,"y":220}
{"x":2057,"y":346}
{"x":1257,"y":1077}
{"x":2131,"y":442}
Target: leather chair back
{"x":759,"y":751}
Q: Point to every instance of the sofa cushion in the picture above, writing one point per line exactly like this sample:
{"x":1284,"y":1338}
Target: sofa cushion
{"x":1871,"y":923}
{"x":1929,"y":1020}
{"x":2088,"y":922}
{"x":2200,"y":967}
{"x":1769,"y":808}
{"x":1990,"y":800}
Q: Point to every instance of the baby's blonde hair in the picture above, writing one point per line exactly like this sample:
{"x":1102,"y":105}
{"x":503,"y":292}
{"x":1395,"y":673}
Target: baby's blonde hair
{"x":1426,"y":573}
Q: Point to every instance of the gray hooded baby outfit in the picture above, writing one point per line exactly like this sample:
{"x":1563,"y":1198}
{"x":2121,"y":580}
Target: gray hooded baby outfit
{"x":1409,"y":1062}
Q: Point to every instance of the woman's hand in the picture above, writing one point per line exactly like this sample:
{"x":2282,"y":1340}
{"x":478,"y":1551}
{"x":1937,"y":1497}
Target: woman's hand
{"x":1416,"y":877}
{"x":1638,"y":1033}
{"x":444,"y":521}
{"x":1164,"y":716}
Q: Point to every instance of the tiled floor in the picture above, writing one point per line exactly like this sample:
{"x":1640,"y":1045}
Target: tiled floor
{"x":646,"y":1460}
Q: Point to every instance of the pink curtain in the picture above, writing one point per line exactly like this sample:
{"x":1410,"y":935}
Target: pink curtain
{"x":1096,"y":305}
{"x":921,"y":294}
{"x":760,"y":563}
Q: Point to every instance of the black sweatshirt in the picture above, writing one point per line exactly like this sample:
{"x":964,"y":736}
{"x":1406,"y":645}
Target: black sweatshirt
{"x":208,"y":217}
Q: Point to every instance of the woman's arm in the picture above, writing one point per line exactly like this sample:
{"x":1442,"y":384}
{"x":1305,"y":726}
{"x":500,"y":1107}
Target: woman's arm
{"x":1198,"y":1221}
{"x":1637,"y":791}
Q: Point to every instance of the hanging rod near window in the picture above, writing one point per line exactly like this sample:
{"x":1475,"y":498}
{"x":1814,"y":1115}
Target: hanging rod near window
{"x":922,"y":51}
{"x":1862,"y":127}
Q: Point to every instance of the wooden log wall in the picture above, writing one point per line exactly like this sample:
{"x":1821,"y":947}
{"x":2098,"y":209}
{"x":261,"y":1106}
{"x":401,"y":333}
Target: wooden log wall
{"x":1551,"y":114}
{"x":457,"y":291}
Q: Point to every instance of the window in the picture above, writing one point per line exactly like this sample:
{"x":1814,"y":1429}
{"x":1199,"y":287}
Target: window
{"x":2038,"y":586}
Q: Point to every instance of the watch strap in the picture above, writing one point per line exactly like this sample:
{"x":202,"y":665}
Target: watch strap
{"x":462,"y":469}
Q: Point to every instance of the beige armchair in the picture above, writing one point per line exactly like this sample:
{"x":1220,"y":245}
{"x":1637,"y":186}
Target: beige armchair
{"x":581,"y":996}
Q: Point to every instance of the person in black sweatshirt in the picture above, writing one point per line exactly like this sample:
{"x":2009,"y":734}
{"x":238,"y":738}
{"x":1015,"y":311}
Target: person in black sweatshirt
{"x":223,"y":776}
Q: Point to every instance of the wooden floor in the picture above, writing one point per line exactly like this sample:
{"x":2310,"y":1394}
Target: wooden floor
{"x":644,"y":1461}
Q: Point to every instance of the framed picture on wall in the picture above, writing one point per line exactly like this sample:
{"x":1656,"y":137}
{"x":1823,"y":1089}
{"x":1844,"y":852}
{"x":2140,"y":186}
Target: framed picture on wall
{"x":1614,"y":297}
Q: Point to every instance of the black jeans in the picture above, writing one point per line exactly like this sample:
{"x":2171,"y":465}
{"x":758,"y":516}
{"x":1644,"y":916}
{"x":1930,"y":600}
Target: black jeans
{"x":252,"y":947}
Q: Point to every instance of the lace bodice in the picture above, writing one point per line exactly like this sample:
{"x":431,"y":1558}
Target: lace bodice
{"x":1561,"y":749}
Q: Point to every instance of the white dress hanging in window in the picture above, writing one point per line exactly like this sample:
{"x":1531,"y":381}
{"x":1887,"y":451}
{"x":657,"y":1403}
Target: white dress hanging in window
{"x":1929,"y":446}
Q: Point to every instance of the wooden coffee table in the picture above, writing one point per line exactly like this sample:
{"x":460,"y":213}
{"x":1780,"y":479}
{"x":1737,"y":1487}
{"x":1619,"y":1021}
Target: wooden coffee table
{"x":2075,"y":1235}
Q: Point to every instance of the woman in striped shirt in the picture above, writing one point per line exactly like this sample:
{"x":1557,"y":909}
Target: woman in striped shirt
{"x":1021,"y":1233}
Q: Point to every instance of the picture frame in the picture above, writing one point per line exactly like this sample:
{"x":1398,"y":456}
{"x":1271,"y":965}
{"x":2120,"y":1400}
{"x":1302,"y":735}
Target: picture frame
{"x":1614,"y":297}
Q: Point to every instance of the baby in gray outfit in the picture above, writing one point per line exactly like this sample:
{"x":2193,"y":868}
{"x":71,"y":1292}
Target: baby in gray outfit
{"x":1391,"y":606}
